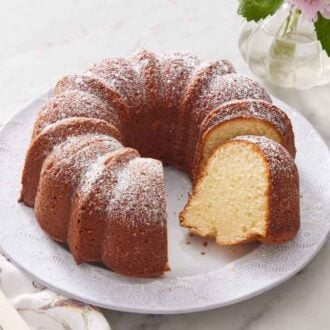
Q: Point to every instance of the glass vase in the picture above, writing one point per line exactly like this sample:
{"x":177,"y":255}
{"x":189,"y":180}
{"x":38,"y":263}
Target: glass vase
{"x":283,"y":49}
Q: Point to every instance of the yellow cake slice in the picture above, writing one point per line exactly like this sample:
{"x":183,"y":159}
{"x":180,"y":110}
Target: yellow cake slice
{"x":249,"y":190}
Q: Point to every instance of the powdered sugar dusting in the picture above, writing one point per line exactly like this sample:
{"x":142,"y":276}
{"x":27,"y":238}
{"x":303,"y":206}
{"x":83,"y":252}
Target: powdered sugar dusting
{"x":74,"y":103}
{"x":62,"y":150}
{"x":146,"y":66}
{"x":251,"y":108}
{"x":224,"y":88}
{"x":121,"y":77}
{"x":87,"y":83}
{"x":217,"y":91}
{"x":137,"y":189}
{"x":79,"y":157}
{"x":140,"y":64}
{"x":188,"y":59}
{"x":177,"y":70}
{"x":93,"y":172}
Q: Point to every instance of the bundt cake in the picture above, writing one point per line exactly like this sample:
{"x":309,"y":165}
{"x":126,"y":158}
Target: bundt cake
{"x":248,"y":190}
{"x":93,"y":168}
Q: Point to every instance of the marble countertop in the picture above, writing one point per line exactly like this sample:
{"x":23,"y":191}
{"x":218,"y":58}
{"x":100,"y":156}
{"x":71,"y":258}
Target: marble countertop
{"x":42,"y":40}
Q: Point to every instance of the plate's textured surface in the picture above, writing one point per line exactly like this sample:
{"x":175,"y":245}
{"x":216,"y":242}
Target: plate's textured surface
{"x":233,"y":277}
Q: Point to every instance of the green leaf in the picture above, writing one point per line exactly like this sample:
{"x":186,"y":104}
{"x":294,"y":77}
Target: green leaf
{"x":322,"y":27}
{"x":254,"y":10}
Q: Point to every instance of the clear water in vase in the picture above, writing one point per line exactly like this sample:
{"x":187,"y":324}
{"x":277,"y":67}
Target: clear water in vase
{"x":286,"y":58}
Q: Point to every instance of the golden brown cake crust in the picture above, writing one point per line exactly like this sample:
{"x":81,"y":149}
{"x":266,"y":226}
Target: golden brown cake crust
{"x":192,"y":106}
{"x":89,"y":209}
{"x":44,"y":143}
{"x":143,"y":126}
{"x":95,"y":86}
{"x":74,"y":103}
{"x":137,"y":218}
{"x":61,"y":174}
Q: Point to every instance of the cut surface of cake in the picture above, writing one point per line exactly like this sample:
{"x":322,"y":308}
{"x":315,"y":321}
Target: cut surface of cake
{"x":249,"y":190}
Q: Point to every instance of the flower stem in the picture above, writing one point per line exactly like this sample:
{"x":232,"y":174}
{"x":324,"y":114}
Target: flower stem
{"x":283,"y":46}
{"x":292,"y":22}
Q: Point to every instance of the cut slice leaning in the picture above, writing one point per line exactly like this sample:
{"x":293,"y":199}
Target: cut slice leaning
{"x":249,"y":190}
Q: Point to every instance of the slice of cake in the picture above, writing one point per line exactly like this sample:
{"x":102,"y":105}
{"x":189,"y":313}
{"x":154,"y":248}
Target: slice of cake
{"x":243,"y":117}
{"x":249,"y":190}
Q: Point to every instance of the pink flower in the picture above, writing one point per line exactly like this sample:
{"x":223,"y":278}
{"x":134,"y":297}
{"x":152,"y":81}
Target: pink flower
{"x":311,"y":8}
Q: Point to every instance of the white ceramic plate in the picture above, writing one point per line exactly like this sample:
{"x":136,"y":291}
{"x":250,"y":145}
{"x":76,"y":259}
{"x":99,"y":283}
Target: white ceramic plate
{"x":221,"y":276}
